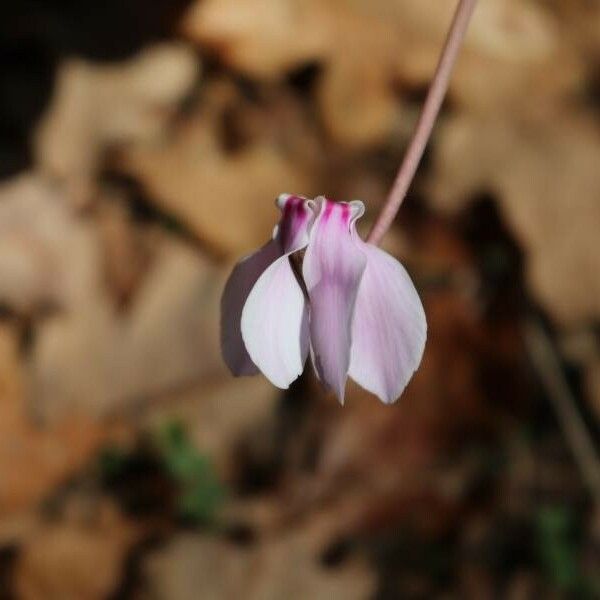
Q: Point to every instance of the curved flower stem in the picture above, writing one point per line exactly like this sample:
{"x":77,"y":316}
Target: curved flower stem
{"x":424,"y":126}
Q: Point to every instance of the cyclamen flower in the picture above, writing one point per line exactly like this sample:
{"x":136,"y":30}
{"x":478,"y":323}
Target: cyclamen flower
{"x":353,"y":306}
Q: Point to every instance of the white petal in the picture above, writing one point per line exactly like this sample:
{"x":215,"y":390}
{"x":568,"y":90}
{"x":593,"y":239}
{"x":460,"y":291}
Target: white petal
{"x":290,"y":235}
{"x":241,"y":281}
{"x":275,"y":324}
{"x":333,"y":267}
{"x":389,"y":327}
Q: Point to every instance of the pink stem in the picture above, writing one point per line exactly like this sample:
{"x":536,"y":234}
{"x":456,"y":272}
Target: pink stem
{"x":424,"y":126}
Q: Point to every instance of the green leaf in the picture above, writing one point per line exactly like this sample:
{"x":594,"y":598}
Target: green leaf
{"x":201,"y":493}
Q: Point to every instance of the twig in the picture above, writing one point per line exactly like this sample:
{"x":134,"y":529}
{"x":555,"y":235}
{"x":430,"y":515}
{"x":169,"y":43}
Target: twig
{"x":424,"y":126}
{"x":547,"y":364}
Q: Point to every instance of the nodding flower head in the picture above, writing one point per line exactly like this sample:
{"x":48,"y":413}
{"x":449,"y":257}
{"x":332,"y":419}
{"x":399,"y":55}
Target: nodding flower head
{"x":351,"y":304}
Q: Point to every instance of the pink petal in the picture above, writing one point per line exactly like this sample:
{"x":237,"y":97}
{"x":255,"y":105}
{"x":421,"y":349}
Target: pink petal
{"x":241,"y":281}
{"x":274,"y":323}
{"x":290,"y":235}
{"x":333,"y":267}
{"x":296,"y":218}
{"x":389,"y":328}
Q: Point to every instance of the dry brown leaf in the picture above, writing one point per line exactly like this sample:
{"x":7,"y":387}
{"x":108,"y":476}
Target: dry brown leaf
{"x":44,"y":249}
{"x":127,"y":252}
{"x":191,"y":567}
{"x":521,"y":44}
{"x":75,"y":560}
{"x":276,"y":37}
{"x":95,"y":106}
{"x":227,"y":200}
{"x":544,"y":173}
{"x":357,"y":103}
{"x":33,"y":459}
{"x":584,"y":20}
{"x":368,"y":47}
{"x":95,"y":359}
{"x":516,"y":56}
{"x":262,"y":38}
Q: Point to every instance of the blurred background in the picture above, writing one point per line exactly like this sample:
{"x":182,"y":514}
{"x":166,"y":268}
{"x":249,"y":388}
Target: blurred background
{"x":142,"y":145}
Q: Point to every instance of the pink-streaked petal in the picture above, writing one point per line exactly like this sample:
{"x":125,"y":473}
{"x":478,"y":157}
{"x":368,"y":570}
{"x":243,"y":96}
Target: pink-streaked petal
{"x":332,"y":270}
{"x":241,"y":281}
{"x":274,"y":319}
{"x":289,"y":236}
{"x":296,"y":218}
{"x":389,"y":328}
{"x":274,"y":324}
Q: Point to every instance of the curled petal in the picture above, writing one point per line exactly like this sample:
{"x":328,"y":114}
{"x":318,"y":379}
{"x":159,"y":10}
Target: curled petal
{"x":289,"y":236}
{"x":274,"y":321}
{"x":296,"y":218}
{"x":389,"y":328}
{"x":332,"y":270}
